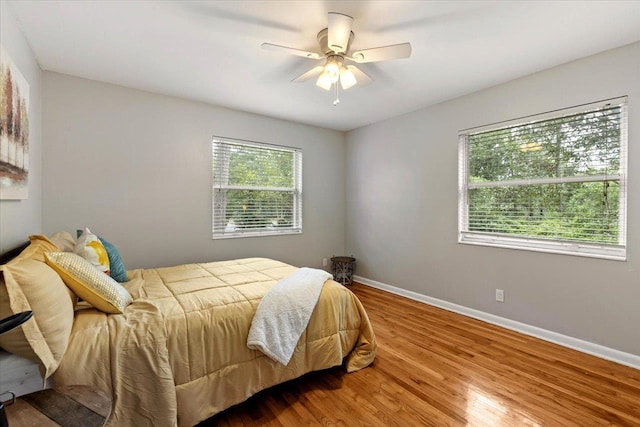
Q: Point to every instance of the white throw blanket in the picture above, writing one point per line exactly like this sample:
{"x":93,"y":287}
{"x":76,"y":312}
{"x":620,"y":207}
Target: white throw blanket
{"x":284,"y":312}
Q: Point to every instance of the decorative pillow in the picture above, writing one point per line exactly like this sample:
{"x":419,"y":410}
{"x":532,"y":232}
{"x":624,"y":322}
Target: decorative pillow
{"x":64,"y":241}
{"x":36,"y":249}
{"x":90,"y":248}
{"x":27,"y":283}
{"x":89,"y":283}
{"x":118,"y":272}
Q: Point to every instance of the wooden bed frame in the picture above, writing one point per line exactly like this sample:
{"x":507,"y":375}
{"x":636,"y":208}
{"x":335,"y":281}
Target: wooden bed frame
{"x":12,"y":253}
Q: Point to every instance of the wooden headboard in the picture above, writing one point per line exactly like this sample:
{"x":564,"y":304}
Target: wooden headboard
{"x":12,"y":253}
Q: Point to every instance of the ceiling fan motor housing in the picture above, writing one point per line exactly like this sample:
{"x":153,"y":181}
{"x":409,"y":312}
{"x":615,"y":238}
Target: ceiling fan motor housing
{"x":323,"y":40}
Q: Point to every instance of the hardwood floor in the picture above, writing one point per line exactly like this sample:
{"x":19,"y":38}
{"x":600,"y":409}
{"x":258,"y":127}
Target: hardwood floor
{"x":437,"y":368}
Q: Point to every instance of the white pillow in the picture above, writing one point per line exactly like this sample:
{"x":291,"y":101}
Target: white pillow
{"x":91,"y":248}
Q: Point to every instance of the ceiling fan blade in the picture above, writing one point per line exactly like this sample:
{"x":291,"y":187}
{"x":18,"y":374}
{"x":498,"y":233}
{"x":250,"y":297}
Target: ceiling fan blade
{"x":292,"y":51}
{"x":314,"y":72}
{"x":339,"y":32}
{"x":384,"y":53}
{"x":361,"y":77}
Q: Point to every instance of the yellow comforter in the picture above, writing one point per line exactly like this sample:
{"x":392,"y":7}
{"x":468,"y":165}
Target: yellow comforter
{"x":178,"y":354}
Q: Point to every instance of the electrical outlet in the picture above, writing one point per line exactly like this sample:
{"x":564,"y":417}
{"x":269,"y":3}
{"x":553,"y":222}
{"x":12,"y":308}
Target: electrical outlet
{"x":324,"y":262}
{"x":500,"y":295}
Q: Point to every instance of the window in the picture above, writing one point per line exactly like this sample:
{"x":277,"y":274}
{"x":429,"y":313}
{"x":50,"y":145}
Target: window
{"x":554,"y":182}
{"x":257,"y":189}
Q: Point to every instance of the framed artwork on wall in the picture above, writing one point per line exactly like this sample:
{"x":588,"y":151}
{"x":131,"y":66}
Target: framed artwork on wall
{"x":14,"y":130}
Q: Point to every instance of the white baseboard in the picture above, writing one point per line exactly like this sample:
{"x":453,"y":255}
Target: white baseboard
{"x":597,"y":350}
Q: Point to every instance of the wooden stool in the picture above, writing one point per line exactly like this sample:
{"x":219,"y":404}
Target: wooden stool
{"x":71,"y":406}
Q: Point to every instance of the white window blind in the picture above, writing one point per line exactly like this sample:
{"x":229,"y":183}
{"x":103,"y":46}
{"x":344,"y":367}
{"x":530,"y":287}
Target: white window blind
{"x":555,"y":182}
{"x":257,"y":189}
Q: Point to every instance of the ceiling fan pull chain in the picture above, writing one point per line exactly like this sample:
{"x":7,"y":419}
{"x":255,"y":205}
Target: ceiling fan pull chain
{"x":337,"y":101}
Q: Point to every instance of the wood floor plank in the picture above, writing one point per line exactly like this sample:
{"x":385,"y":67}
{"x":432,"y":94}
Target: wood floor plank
{"x":439,"y":368}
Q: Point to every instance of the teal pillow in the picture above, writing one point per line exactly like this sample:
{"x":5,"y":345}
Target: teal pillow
{"x":118,"y":272}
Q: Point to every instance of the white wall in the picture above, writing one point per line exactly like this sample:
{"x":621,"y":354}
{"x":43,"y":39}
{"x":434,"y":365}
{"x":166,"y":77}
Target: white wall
{"x":402,"y":210}
{"x":19,"y":218}
{"x":135,"y":167}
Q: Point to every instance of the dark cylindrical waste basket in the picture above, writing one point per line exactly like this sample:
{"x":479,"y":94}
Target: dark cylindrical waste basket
{"x":342,"y":268}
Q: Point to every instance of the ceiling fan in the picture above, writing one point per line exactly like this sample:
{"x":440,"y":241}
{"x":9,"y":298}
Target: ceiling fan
{"x":335,"y":41}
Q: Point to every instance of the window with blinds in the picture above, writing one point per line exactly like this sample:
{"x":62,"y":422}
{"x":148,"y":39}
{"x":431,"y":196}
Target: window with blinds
{"x":257,"y":189}
{"x":554,"y":182}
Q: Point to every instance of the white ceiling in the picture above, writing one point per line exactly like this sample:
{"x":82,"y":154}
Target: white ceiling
{"x":210,"y":51}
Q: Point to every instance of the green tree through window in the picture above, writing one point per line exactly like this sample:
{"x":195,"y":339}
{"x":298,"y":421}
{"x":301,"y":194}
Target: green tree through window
{"x":256,"y":189}
{"x":555,"y":183}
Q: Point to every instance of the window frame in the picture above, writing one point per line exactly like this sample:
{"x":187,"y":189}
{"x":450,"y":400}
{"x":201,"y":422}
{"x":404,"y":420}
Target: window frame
{"x":557,"y":246}
{"x":220,"y":211}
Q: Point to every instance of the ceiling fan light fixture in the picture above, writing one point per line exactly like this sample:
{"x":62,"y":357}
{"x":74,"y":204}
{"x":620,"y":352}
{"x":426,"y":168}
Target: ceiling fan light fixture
{"x":324,"y":82}
{"x":332,"y":69}
{"x":347,"y":78}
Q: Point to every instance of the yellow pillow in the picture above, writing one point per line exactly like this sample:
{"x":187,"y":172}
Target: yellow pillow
{"x":91,"y":248}
{"x":89,"y":283}
{"x":36,"y":249}
{"x":27,"y":283}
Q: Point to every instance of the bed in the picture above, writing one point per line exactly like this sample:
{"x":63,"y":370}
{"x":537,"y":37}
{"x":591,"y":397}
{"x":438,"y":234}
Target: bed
{"x":178,"y":353}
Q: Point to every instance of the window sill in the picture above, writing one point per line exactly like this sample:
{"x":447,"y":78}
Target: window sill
{"x":615,"y":253}
{"x":239,"y":235}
